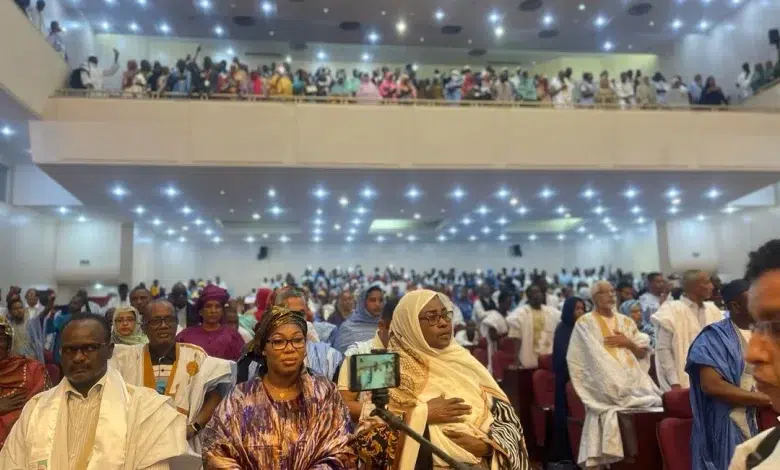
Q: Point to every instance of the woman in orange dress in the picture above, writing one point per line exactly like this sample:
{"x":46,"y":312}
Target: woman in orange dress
{"x":20,"y":380}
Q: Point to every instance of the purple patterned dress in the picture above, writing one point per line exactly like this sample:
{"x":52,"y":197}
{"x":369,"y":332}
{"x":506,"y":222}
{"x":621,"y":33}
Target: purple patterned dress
{"x":251,"y":430}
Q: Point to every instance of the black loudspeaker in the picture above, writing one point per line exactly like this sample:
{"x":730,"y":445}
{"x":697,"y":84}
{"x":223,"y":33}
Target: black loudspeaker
{"x":774,"y":37}
{"x":517,"y":251}
{"x":263,"y":253}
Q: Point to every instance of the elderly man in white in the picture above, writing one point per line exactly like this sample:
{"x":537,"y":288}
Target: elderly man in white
{"x":677,"y":323}
{"x":603,"y":358}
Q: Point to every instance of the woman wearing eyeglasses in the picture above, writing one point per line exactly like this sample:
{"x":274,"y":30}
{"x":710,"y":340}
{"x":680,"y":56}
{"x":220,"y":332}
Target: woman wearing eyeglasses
{"x":126,"y":327}
{"x":285,"y":417}
{"x":445,"y":395}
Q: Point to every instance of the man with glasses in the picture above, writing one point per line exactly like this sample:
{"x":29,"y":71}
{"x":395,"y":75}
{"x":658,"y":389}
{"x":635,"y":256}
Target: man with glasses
{"x":93,"y":418}
{"x":195,"y":381}
{"x":763,"y":353}
{"x":603,"y":358}
{"x":723,"y":391}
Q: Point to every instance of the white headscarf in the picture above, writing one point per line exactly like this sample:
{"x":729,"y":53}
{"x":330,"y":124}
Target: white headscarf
{"x":427,"y":373}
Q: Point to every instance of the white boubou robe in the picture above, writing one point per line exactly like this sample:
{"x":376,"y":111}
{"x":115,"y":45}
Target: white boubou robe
{"x":678,"y":318}
{"x":492,"y":319}
{"x":521,"y":326}
{"x":136,"y":428}
{"x":741,"y":453}
{"x":607,"y":380}
{"x":193,"y":375}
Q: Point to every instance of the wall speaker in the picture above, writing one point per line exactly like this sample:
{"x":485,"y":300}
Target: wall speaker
{"x":516,"y":251}
{"x":263,"y":253}
{"x":774,"y":37}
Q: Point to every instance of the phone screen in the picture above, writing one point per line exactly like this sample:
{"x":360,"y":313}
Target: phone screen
{"x":374,"y":371}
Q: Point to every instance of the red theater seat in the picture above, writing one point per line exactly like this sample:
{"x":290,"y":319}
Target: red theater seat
{"x":767,"y":418}
{"x":576,"y":419}
{"x":504,"y":357}
{"x":543,"y":405}
{"x":674,"y":431}
{"x":481,"y":354}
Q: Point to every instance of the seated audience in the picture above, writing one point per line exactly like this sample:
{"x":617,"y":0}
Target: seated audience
{"x":285,"y":417}
{"x":446,"y":395}
{"x":633,"y":310}
{"x":93,"y":418}
{"x":361,"y":325}
{"x":342,"y":308}
{"x":55,"y":322}
{"x":468,"y":336}
{"x":20,"y":379}
{"x":603,"y":359}
{"x":212,"y":335}
{"x":28,"y":331}
{"x":677,"y":324}
{"x":534,"y":325}
{"x":182,"y":371}
{"x":127,"y":327}
{"x":723,"y":390}
{"x":573,"y":309}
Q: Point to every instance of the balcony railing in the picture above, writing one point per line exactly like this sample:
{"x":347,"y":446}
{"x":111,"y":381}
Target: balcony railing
{"x":334,"y":100}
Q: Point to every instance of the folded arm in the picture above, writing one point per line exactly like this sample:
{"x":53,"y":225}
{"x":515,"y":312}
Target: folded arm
{"x":717,"y":387}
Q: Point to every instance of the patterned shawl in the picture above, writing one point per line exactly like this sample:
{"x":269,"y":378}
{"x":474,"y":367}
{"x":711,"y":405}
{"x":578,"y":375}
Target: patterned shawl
{"x":246,"y":422}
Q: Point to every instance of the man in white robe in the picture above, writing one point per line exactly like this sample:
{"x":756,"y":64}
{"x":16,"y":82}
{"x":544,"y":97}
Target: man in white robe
{"x":677,"y":323}
{"x":534,"y":325}
{"x":603,"y":359}
{"x":93,"y":419}
{"x":194,"y":380}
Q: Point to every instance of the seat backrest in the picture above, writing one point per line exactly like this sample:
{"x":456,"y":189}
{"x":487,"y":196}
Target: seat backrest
{"x":674,"y":440}
{"x":546,"y":362}
{"x":501,"y":361}
{"x":482,"y":343}
{"x":544,"y":388}
{"x":508,"y":345}
{"x":575,"y":405}
{"x":767,"y":418}
{"x":677,"y":403}
{"x":481,"y":354}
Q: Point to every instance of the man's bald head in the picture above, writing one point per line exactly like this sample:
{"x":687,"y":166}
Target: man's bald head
{"x":697,"y":285}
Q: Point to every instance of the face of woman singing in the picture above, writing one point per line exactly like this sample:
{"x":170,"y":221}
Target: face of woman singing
{"x":436,"y":324}
{"x":212,"y":312}
{"x":124,"y":323}
{"x":285,"y":350}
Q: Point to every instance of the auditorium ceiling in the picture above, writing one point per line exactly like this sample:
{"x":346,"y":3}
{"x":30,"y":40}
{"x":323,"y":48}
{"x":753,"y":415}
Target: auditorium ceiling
{"x":476,"y":27}
{"x":271,"y":205}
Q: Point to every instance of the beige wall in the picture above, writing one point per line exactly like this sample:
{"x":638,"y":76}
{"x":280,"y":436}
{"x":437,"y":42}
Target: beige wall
{"x":596,"y":63}
{"x":164,"y":132}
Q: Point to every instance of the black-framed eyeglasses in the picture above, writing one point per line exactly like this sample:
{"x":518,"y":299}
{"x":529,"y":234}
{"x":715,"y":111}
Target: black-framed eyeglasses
{"x":86,"y":349}
{"x":281,"y":344}
{"x":433,"y":318}
{"x":766,"y":327}
{"x":158,"y":322}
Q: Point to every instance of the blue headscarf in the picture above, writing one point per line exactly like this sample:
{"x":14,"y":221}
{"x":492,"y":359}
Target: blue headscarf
{"x":561,"y":370}
{"x":463,"y":303}
{"x":645,"y":327}
{"x":360,"y":326}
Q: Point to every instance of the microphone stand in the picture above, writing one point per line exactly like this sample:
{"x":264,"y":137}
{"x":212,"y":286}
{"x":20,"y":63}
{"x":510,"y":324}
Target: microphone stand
{"x":380,"y":398}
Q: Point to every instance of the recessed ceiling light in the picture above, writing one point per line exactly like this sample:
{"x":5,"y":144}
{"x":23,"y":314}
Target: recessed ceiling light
{"x":630,"y":193}
{"x":321,"y":55}
{"x":608,"y":46}
{"x":349,"y":239}
{"x":185,"y":228}
{"x":368,"y":192}
{"x":494,"y":17}
{"x":458,"y":193}
{"x":422,"y":39}
{"x":170,"y":191}
{"x":182,"y":239}
{"x":532,"y":237}
{"x":640,"y":220}
{"x":7,"y":131}
{"x":701,"y":217}
{"x":230,"y":51}
{"x":141,"y":2}
{"x":343,"y":201}
{"x":198,"y":222}
{"x":319,"y":211}
{"x":598,"y":210}
{"x":588,"y":193}
{"x":267,"y":7}
{"x":256,"y":216}
{"x":317,"y":231}
{"x":676,"y":201}
{"x":672,"y":193}
{"x":560,"y":209}
{"x":384,"y":12}
{"x":288,"y":59}
{"x":546,"y":193}
{"x":411,"y":238}
{"x":472,"y":238}
{"x":119,"y":191}
{"x":186,"y":210}
{"x":170,"y":231}
{"x":316,"y":239}
{"x":514,"y":201}
{"x":677,"y":23}
{"x":82,"y":219}
{"x":232,"y":211}
{"x":139,"y":210}
{"x":156,"y":222}
{"x":265,"y":235}
{"x":590,"y":236}
{"x":486,"y":230}
{"x":219,"y":30}
{"x":413,"y":193}
{"x":110,"y":2}
{"x":63,"y":210}
{"x":713,"y":193}
{"x":502,"y":221}
{"x":561,"y":236}
{"x":439,"y":15}
{"x":356,"y":221}
{"x":581,"y":229}
{"x":250,"y":239}
{"x":453,"y":230}
{"x":704,"y":25}
{"x":600,"y":21}
{"x":337,"y":227}
{"x":417,"y":216}
{"x":674,"y":210}
{"x":208,"y":231}
{"x":275,"y":210}
{"x":522,"y":210}
{"x":326,"y":10}
{"x":651,"y":23}
{"x":205,"y":4}
{"x":320,"y":193}
{"x":502,"y":237}
{"x":729,"y":209}
{"x":133,"y":27}
{"x":105,"y":25}
{"x":736,"y":2}
{"x":466,"y":221}
{"x":502,"y":193}
{"x":483,"y":210}
{"x":581,"y":7}
{"x":366,"y":57}
{"x":400,"y":26}
{"x":606,"y":220}
{"x":399,"y":235}
{"x":361,"y":210}
{"x":441,"y":238}
{"x":636,"y":210}
{"x":271,"y":192}
{"x":217,"y":239}
{"x":547,"y":20}
{"x":164,"y":28}
{"x":318,"y":221}
{"x":613,"y":229}
{"x":498,"y":31}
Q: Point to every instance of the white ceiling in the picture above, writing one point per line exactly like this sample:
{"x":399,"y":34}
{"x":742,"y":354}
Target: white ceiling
{"x":582,"y":26}
{"x":225,"y":200}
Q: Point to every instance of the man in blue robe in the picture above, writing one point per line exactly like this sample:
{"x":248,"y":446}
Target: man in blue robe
{"x":723,"y":392}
